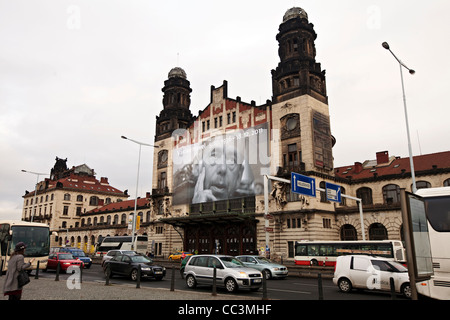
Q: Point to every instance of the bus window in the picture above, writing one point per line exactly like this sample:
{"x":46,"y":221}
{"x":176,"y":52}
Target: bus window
{"x":300,"y":250}
{"x":313,"y":250}
{"x":438,"y":213}
{"x":327,"y":250}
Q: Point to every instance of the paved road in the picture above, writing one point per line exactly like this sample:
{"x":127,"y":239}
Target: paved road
{"x":292,"y":288}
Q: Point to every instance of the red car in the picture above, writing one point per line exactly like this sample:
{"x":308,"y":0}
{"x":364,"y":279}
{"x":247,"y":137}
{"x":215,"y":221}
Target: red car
{"x":64,"y":259}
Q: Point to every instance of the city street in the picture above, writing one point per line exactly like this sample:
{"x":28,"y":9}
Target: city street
{"x":292,"y":288}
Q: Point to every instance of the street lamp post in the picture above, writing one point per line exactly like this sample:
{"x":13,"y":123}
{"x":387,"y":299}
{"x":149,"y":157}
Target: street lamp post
{"x":137,"y":185}
{"x":35,"y":190}
{"x":411,"y":71}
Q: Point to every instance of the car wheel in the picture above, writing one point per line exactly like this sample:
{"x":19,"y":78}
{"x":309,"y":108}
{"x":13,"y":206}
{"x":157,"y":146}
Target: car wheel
{"x":190,"y":282}
{"x":406,"y":290}
{"x":267,"y":274}
{"x":134,"y":274}
{"x":231,"y":285}
{"x":345,"y":285}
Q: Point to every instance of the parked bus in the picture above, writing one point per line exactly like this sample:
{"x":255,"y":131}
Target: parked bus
{"x":325,"y":253}
{"x":36,"y":237}
{"x":437,"y":204}
{"x":122,"y":243}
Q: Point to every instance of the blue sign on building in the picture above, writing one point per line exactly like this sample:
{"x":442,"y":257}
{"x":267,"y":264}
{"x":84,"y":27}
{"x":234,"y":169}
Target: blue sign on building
{"x":333,"y":192}
{"x":303,"y":184}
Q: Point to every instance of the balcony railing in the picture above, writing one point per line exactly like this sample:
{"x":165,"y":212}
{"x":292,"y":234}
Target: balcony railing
{"x":240,"y":205}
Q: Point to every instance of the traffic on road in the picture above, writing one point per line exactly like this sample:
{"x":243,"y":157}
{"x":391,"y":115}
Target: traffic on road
{"x":289,"y":288}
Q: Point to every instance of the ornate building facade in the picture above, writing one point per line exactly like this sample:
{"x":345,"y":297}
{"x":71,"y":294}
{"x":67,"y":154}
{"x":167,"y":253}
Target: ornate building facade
{"x":207,"y":185}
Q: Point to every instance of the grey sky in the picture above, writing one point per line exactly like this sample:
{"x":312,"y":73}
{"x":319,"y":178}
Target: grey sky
{"x":76,"y":75}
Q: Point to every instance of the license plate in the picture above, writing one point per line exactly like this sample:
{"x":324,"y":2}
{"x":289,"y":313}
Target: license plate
{"x":158,"y":272}
{"x":256,"y":280}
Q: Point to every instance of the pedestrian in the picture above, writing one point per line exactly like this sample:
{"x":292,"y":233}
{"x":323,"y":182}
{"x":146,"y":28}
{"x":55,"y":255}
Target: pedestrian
{"x":16,"y":264}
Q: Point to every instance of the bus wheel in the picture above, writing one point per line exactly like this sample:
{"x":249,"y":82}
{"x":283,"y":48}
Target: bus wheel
{"x":314,"y":262}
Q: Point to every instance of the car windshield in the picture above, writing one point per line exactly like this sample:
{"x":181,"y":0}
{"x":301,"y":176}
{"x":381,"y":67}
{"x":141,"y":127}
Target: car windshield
{"x":398,"y":266}
{"x":65,"y":256}
{"x":141,"y":259}
{"x":263,"y":260}
{"x":78,"y":253}
{"x":231,"y":262}
{"x":390,"y":266}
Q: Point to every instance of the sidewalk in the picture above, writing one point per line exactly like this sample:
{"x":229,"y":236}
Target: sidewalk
{"x":47,"y":289}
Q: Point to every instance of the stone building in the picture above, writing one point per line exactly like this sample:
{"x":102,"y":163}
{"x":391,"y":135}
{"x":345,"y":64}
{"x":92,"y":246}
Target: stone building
{"x":207,"y":184}
{"x":66,"y":196}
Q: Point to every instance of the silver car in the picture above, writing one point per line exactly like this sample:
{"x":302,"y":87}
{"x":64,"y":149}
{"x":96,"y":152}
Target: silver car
{"x":230,"y":273}
{"x":267,"y":267}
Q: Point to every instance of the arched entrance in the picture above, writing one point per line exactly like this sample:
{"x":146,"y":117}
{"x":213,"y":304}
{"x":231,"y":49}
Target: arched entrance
{"x":377,"y":231}
{"x":348,"y":233}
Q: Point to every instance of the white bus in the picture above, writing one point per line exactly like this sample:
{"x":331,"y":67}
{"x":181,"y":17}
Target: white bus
{"x":437,"y":204}
{"x":36,"y":237}
{"x":122,"y":243}
{"x":325,"y":253}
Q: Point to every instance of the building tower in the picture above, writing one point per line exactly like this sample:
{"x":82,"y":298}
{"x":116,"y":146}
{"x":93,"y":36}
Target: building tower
{"x":176,"y":102}
{"x":298,"y":73}
{"x":300,"y":103}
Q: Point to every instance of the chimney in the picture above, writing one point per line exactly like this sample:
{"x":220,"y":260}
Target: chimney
{"x":104,"y":180}
{"x":147,"y":195}
{"x":358,"y":167}
{"x":382,"y":157}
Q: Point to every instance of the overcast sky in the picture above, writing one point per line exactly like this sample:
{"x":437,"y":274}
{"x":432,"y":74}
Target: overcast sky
{"x":76,"y":75}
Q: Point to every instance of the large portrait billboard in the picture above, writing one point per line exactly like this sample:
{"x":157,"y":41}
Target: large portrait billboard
{"x":225,"y":166}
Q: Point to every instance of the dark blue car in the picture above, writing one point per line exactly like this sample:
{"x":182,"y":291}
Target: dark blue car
{"x":78,"y":254}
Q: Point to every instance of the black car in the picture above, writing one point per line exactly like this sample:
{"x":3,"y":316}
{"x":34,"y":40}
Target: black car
{"x":128,"y":265}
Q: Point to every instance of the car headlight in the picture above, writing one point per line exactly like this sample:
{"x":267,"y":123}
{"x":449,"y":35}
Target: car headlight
{"x":145,"y":268}
{"x":276,"y":269}
{"x":243,"y":274}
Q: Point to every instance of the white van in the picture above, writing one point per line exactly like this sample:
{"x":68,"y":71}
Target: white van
{"x":373,"y":273}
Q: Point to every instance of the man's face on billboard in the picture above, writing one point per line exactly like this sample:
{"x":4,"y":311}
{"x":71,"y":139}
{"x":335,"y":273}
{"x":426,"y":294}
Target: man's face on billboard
{"x":222,"y":171}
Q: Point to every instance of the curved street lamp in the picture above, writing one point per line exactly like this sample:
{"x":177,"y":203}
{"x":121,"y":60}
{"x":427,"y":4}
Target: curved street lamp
{"x":137,"y":184}
{"x":411,"y":71}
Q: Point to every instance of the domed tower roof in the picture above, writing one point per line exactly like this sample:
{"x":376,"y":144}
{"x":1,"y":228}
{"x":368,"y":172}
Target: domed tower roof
{"x":177,"y":72}
{"x":294,"y":13}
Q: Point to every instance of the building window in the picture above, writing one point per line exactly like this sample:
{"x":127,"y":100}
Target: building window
{"x":203,"y":126}
{"x":365,"y":194}
{"x":391,"y":194}
{"x":79,"y":197}
{"x":207,"y":125}
{"x":66,"y":210}
{"x":216,"y":122}
{"x":293,"y":223}
{"x":228,"y":118}
{"x":234,"y":116}
{"x":220,"y":121}
{"x":162,"y":181}
{"x":326,"y":223}
{"x":93,"y":201}
{"x":66,"y":197}
{"x":377,"y":232}
{"x":423,"y":184}
{"x":79,"y":211}
{"x":292,"y":156}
